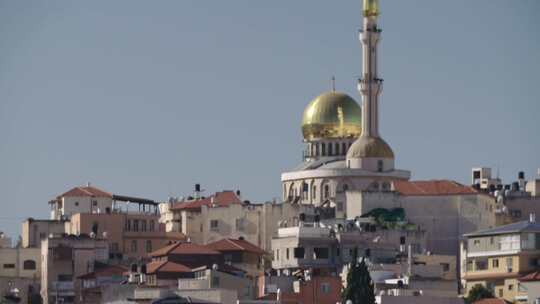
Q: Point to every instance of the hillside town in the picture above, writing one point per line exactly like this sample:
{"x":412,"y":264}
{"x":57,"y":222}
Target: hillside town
{"x":346,"y":204}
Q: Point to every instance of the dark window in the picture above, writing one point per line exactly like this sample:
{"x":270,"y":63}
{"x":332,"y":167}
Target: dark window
{"x":326,"y":191}
{"x":445,"y":267}
{"x":94,"y":203}
{"x":95,"y":228}
{"x":299,"y":253}
{"x":76,"y":204}
{"x":214,"y":225}
{"x":321,"y":253}
{"x":330,"y":149}
{"x":29,"y":265}
{"x":136,"y":225}
{"x":343,"y":148}
{"x":9,"y":266}
{"x":380,"y":165}
{"x":143,"y":225}
{"x":323,"y":148}
{"x":287,"y":254}
{"x":128,"y":225}
{"x":148,"y":246}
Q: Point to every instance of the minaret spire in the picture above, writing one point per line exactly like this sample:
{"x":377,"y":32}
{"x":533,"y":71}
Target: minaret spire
{"x":370,"y":85}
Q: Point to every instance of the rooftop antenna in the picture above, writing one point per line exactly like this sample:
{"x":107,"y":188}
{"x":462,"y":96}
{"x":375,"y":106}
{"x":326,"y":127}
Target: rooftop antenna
{"x":333,"y":83}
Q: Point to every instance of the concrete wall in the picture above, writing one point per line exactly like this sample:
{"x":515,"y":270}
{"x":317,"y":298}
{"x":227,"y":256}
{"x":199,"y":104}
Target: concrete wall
{"x":33,"y":231}
{"x":17,"y":257}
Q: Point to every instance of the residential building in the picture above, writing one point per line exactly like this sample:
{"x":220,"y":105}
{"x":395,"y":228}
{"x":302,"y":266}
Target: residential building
{"x":328,"y":248}
{"x":529,"y":285}
{"x":241,"y":254}
{"x":318,"y":289}
{"x":20,"y":263}
{"x":444,"y":209}
{"x":130,"y":235}
{"x":224,"y":215}
{"x":496,"y":258}
{"x":207,"y":278}
{"x":34,"y":230}
{"x":83,"y":199}
{"x":104,"y":275}
{"x":64,"y":259}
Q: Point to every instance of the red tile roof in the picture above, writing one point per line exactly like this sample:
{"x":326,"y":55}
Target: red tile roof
{"x":533,"y":276}
{"x":491,"y":301}
{"x":235,"y":245}
{"x":432,"y":187}
{"x":184,"y":248}
{"x":107,"y":271}
{"x":86,"y":191}
{"x":166,"y":266}
{"x":221,"y":199}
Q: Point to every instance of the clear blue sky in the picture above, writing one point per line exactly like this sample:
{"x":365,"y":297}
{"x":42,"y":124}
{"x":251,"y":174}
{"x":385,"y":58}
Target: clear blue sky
{"x":147,"y":98}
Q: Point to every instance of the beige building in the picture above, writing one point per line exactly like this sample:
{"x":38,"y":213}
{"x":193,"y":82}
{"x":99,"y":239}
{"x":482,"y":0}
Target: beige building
{"x":64,"y":259}
{"x":224,"y":215}
{"x":80,"y":200}
{"x":207,"y":279}
{"x":34,"y":231}
{"x":20,"y":262}
{"x":497,"y":257}
{"x":130,"y":236}
{"x":444,"y":209}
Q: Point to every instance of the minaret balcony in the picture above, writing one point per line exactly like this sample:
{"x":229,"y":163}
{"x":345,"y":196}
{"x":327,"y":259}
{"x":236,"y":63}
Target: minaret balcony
{"x":365,"y":85}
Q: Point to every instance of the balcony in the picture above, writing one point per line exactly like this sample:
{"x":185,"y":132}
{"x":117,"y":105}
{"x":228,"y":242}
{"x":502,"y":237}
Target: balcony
{"x":62,"y":288}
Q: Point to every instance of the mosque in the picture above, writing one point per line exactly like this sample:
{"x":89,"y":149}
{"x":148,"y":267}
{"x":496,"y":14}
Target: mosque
{"x":343,"y":148}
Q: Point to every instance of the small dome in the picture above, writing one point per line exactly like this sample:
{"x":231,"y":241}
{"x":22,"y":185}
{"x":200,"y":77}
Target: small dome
{"x":367,"y":146}
{"x":331,"y":115}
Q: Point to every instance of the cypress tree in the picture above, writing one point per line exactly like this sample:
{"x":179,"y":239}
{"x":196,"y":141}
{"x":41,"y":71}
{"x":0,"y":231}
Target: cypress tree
{"x":360,"y":289}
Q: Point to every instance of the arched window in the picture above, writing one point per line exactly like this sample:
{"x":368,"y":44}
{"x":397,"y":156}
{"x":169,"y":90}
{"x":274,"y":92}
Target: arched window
{"x":29,"y":265}
{"x":326,"y":191}
{"x":316,"y":149}
{"x":152,"y":225}
{"x":380,"y":165}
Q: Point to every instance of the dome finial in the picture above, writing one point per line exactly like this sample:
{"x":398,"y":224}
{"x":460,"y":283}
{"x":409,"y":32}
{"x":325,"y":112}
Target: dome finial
{"x":333,"y":83}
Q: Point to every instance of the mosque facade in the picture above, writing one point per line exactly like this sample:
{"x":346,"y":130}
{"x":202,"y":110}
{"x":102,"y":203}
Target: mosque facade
{"x":344,"y":150}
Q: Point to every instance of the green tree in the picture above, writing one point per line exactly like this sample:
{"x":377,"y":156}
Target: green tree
{"x":478,"y":292}
{"x":359,"y":288}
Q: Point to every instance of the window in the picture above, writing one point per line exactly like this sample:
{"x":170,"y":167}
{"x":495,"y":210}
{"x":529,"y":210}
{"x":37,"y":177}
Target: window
{"x":94,"y":203}
{"x":500,"y":293}
{"x":287,"y":254}
{"x":495,"y":263}
{"x":344,"y":148}
{"x":380,"y":166}
{"x":152,"y":225}
{"x":76,"y":204}
{"x":29,"y":265}
{"x":481,"y":264}
{"x":143,"y":225}
{"x":299,"y":253}
{"x":325,"y":288}
{"x":476,"y":242}
{"x":214,"y":225}
{"x":228,"y":258}
{"x":240,"y":224}
{"x":136,"y":225}
{"x":337,"y":148}
{"x":445,"y":267}
{"x":345,"y":187}
{"x":148,"y":246}
{"x":277,"y":254}
{"x":509,"y":266}
{"x":115,"y":248}
{"x":128,"y":225}
{"x":65,"y":278}
{"x":386,"y":186}
{"x":323,"y":148}
{"x":330,"y":149}
{"x":511,"y":287}
{"x":9,"y":266}
{"x":314,"y":193}
{"x":326,"y":191}
{"x":215,"y":282}
{"x":339,"y":206}
{"x":133,"y":246}
{"x":42,"y":235}
{"x":321,"y":253}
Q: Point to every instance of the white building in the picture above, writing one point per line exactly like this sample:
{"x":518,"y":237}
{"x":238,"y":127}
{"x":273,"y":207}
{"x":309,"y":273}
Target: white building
{"x":344,"y":150}
{"x":83,"y":199}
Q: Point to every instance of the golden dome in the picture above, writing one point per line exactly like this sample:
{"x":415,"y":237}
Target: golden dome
{"x":368,"y":146}
{"x":331,"y":115}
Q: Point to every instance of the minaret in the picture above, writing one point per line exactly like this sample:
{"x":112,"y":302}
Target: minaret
{"x":370,"y":85}
{"x":370,"y":152}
